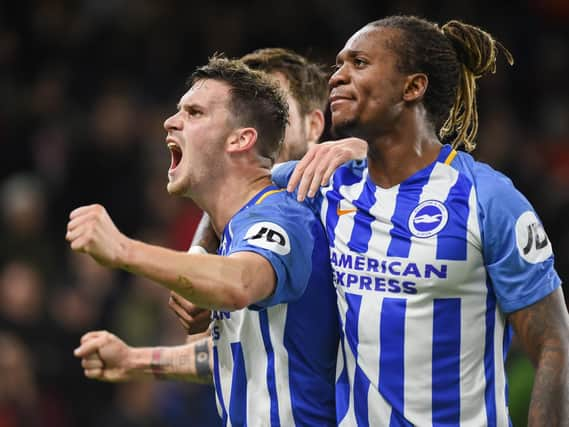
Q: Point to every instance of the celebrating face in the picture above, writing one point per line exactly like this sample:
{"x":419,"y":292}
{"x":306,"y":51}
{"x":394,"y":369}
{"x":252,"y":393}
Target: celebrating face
{"x":197,"y":134}
{"x":366,"y":89}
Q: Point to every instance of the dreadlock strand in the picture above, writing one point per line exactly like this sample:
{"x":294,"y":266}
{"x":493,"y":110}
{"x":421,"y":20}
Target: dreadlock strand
{"x":477,"y":52}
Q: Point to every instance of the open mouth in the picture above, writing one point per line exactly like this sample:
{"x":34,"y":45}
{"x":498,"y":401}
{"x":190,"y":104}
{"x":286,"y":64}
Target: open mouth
{"x":176,"y":155}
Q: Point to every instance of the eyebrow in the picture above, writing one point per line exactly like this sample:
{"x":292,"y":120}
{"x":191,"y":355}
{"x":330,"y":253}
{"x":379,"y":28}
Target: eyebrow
{"x":191,"y":105}
{"x":349,"y":53}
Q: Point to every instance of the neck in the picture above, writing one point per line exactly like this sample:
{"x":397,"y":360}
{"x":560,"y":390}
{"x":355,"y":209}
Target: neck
{"x":223,"y":199}
{"x":409,"y":147}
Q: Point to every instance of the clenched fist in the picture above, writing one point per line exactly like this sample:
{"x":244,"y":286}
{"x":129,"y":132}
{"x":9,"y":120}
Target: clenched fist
{"x":92,"y":231}
{"x":104,"y":357}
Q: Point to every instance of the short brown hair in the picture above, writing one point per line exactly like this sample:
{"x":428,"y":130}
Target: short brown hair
{"x":256,"y":100}
{"x":308,"y":80}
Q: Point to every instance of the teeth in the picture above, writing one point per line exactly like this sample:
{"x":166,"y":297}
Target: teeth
{"x":172,"y":145}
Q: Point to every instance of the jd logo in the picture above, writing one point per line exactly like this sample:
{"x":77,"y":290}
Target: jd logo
{"x":532,"y":242}
{"x":536,"y":234}
{"x":269,"y":235}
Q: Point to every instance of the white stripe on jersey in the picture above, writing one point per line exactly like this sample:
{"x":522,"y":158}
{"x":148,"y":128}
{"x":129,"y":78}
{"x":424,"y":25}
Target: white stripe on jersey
{"x":277,"y":316}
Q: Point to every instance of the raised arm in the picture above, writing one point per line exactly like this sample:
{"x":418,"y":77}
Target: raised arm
{"x":105,"y":357}
{"x":543,"y":331}
{"x":210,"y":281}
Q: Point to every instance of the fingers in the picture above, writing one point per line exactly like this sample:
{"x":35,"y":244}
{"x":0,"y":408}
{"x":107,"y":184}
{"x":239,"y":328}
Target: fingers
{"x":93,"y":373}
{"x":194,"y":319}
{"x":93,"y":361}
{"x":85,"y":209}
{"x":91,"y":342}
{"x":93,"y":366}
{"x":180,"y":314}
{"x":299,"y":170}
{"x":184,"y":303}
{"x":313,"y":173}
{"x":82,"y":220}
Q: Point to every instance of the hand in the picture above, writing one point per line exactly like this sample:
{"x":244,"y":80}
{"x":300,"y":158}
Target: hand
{"x":92,"y":231}
{"x":321,"y":161}
{"x":194,"y":319}
{"x":104,"y":356}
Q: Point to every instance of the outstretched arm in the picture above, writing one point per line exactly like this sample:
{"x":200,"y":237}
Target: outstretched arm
{"x":543,"y":331}
{"x":105,"y":357}
{"x":210,"y":281}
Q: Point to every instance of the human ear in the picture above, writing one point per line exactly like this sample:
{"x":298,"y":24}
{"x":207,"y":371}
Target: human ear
{"x":240,"y":140}
{"x":415,"y":87}
{"x":315,"y":125}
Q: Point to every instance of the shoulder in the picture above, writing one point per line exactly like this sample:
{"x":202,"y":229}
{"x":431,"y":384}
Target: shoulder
{"x":280,"y":208}
{"x":493,"y":188}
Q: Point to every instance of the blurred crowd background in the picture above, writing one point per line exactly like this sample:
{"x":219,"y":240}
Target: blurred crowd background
{"x":84,"y":88}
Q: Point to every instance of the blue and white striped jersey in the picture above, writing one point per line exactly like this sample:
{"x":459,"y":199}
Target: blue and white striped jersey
{"x":275,"y":362}
{"x":425,"y":273}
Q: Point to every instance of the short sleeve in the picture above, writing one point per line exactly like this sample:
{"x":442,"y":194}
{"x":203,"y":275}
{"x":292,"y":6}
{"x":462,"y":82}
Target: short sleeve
{"x":517,"y":252}
{"x":283,"y":233}
{"x":282,"y":172}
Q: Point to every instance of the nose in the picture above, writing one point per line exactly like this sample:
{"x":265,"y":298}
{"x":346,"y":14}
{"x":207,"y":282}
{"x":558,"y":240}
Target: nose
{"x":173,"y":122}
{"x":339,"y":77}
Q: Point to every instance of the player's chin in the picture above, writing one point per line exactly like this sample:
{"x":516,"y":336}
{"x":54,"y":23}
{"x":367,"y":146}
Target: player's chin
{"x":342,"y":126}
{"x":175,"y":188}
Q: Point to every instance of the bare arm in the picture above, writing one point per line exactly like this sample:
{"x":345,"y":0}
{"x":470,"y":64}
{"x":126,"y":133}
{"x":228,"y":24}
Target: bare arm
{"x":543,"y":331}
{"x":209,"y":281}
{"x":321,"y":161}
{"x":205,"y":235}
{"x":105,"y":357}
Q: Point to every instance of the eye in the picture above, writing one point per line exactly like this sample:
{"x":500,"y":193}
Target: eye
{"x":359,"y":62}
{"x":193,"y":112}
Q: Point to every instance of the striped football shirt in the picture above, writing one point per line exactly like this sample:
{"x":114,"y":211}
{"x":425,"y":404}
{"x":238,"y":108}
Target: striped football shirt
{"x":275,"y":361}
{"x":425,"y":273}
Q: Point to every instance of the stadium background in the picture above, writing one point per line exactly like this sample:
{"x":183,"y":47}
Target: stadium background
{"x":85,"y":86}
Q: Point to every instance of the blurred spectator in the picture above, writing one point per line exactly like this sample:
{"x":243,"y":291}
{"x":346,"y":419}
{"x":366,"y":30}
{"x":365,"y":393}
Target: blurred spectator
{"x":85,"y":89}
{"x":22,"y":402}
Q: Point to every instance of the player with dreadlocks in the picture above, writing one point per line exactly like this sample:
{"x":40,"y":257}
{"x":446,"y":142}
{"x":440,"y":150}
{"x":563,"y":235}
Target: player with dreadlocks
{"x":434,"y":255}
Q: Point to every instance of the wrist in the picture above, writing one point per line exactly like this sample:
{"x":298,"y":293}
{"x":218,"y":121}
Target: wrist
{"x":139,"y":362}
{"x":125,"y":256}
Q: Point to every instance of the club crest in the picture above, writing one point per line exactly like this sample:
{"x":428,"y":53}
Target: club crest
{"x":428,"y":218}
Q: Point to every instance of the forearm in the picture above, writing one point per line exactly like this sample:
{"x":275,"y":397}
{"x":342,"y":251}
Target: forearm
{"x":543,"y":332}
{"x":191,"y":362}
{"x":550,"y":394}
{"x":209,"y":281}
{"x":205,"y":235}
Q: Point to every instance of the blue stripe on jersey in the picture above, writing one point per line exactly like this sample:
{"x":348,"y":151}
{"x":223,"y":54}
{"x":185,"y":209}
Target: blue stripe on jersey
{"x":446,"y":362}
{"x":361,"y":382}
{"x":451,"y":241}
{"x":237,"y":402}
{"x":342,"y":386}
{"x":397,"y":420}
{"x":392,"y":339}
{"x":343,"y":176}
{"x":218,"y":386}
{"x":489,"y":372}
{"x":361,"y":233}
{"x":264,"y":323}
{"x":407,"y":199}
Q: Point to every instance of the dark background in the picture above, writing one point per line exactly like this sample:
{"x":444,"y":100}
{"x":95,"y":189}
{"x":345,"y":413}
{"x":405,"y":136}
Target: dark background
{"x":84,"y":89}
